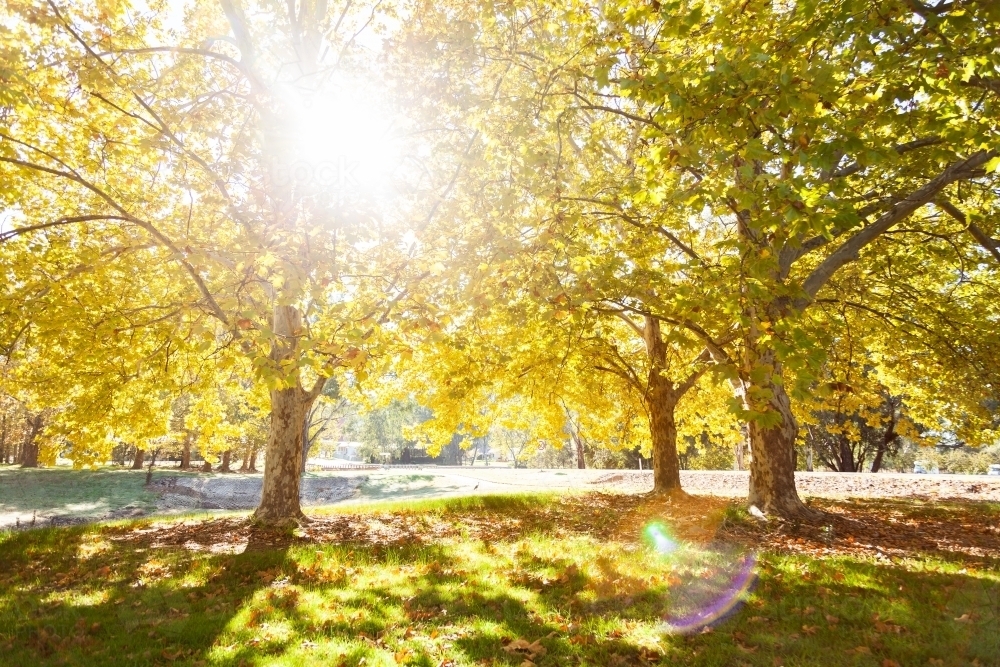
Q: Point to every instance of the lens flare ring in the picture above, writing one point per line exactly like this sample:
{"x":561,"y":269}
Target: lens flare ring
{"x":719,"y":580}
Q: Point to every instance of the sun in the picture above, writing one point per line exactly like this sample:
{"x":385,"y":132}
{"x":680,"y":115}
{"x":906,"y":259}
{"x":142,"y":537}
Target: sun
{"x":346,"y":141}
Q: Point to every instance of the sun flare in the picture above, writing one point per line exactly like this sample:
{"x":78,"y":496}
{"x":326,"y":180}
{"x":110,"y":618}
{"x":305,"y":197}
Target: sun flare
{"x":346,"y":142}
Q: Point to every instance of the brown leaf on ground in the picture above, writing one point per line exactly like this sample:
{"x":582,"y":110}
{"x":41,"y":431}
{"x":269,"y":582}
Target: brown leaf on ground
{"x":857,"y":527}
{"x":520,"y":646}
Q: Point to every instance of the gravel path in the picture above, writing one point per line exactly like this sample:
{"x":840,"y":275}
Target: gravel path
{"x":823,"y":484}
{"x":238,"y":492}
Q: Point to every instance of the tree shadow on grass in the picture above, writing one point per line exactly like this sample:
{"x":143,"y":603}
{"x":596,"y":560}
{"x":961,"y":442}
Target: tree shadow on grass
{"x":440,"y":613}
{"x":70,"y":597}
{"x":892,"y":612}
{"x":160,"y":595}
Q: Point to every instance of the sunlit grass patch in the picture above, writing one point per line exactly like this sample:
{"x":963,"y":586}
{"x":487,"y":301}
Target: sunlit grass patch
{"x":476,"y":581}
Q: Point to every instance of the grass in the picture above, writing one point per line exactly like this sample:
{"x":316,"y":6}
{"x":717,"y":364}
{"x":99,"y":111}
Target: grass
{"x":489,"y":580}
{"x":68,"y":493}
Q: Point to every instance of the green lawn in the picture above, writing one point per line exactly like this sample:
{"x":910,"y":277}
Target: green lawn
{"x":495,"y":580}
{"x":76,"y":494}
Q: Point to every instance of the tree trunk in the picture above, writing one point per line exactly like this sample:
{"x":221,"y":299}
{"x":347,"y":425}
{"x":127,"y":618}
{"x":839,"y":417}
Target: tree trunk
{"x":29,"y":455}
{"x":772,"y":463}
{"x":279,"y":502}
{"x":186,"y":452}
{"x":29,"y":450}
{"x":224,"y":466}
{"x":306,"y":444}
{"x":663,"y":429}
{"x":742,"y":446}
{"x":139,"y":456}
{"x":846,"y":458}
{"x":252,"y":467}
{"x":887,"y":439}
{"x":3,"y":440}
{"x":661,"y":401}
{"x":581,"y":462}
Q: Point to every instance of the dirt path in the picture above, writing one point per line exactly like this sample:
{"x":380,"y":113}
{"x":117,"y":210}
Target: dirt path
{"x":823,"y":484}
{"x":55,"y":497}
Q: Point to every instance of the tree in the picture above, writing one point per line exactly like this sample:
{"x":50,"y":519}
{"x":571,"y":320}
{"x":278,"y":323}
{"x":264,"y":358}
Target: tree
{"x":330,"y":408}
{"x":545,"y":212}
{"x":814,"y":131}
{"x":787,"y":141}
{"x":181,"y":162}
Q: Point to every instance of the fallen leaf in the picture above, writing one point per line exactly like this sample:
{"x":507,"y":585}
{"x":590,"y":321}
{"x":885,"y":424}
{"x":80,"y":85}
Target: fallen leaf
{"x":832,"y":620}
{"x":809,"y":629}
{"x":888,"y":662}
{"x":533,"y":649}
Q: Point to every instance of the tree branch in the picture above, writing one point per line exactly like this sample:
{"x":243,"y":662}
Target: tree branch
{"x":206,"y":53}
{"x":590,"y":106}
{"x":161,"y":238}
{"x":685,"y":248}
{"x":900,"y":149}
{"x":317,"y":388}
{"x":696,"y":374}
{"x":984,"y":240}
{"x":11,"y":233}
{"x":628,"y":320}
{"x":849,"y":250}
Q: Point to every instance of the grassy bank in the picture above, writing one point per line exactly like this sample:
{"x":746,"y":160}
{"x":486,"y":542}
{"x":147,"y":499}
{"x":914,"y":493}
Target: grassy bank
{"x":512,"y":580}
{"x":71,"y":494}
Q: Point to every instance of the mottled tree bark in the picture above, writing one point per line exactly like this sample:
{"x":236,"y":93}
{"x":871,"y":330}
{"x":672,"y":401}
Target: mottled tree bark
{"x":661,"y":397}
{"x":279,"y":503}
{"x":663,"y":429}
{"x":772,"y":463}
